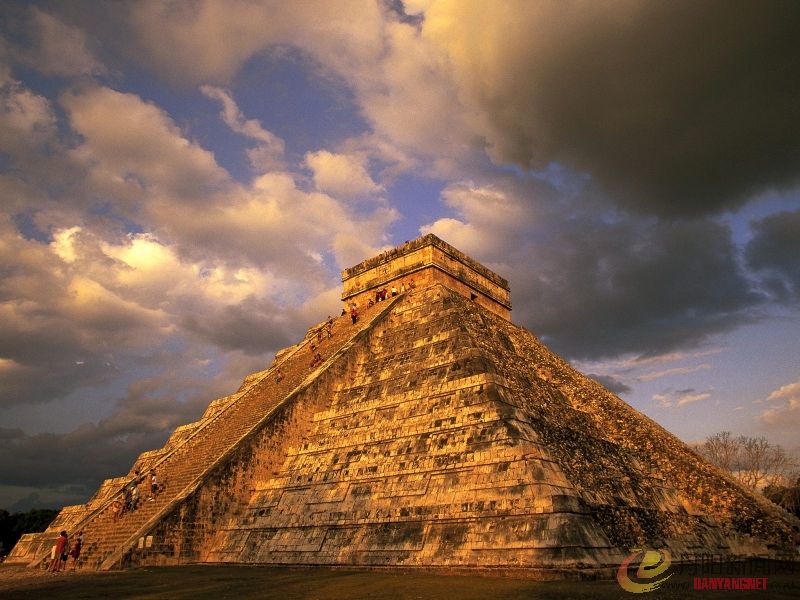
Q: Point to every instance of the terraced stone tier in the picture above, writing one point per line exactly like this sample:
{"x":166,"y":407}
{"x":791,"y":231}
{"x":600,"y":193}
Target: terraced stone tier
{"x":190,"y":454}
{"x":448,"y":437}
{"x":436,"y":434}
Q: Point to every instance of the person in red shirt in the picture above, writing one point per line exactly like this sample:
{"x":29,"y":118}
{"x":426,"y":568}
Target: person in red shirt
{"x":62,"y":552}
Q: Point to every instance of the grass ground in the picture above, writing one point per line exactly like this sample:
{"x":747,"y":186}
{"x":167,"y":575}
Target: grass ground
{"x":201,"y":582}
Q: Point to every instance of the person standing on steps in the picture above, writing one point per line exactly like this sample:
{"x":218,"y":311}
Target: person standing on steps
{"x":62,"y":548}
{"x":127,"y":505}
{"x":153,"y":485}
{"x":116,"y":510}
{"x":75,"y":553}
{"x":134,"y":497}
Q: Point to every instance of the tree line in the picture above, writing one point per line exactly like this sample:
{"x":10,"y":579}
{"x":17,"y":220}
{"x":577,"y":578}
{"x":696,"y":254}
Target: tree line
{"x":13,"y":525}
{"x":758,"y":465}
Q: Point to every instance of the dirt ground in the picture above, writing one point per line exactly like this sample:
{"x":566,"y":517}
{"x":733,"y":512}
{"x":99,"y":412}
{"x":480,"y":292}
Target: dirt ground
{"x":200,"y":582}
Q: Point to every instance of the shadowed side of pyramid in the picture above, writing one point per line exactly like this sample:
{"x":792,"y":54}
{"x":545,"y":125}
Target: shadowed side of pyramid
{"x":641,"y":484}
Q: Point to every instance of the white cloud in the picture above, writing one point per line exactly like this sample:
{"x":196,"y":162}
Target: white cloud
{"x":786,"y":414}
{"x":491,"y":220}
{"x":341,"y":175}
{"x":269,"y":154}
{"x":401,"y":80}
{"x":175,"y":189}
{"x":134,"y":143}
{"x":27,"y":121}
{"x":209,"y":41}
{"x":689,"y":398}
{"x":789,"y":392}
{"x":678,"y":398}
{"x":653,"y":375}
{"x":63,"y":243}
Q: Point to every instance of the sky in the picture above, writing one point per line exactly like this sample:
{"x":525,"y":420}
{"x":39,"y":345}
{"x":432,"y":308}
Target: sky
{"x":181,"y":184}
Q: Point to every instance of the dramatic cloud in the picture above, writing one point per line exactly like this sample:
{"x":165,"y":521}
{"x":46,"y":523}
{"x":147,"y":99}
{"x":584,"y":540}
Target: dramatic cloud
{"x":611,"y":384}
{"x":773,"y":253}
{"x":27,"y":121}
{"x":203,"y":265}
{"x":677,"y":108}
{"x":596,"y":285}
{"x":60,"y":49}
{"x":140,"y":277}
{"x":54,"y":314}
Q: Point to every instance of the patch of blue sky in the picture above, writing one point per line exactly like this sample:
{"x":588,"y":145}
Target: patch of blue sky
{"x":768,"y":203}
{"x":25,"y":223}
{"x":48,"y":87}
{"x":198,"y":118}
{"x":418,"y":199}
{"x":567,"y":182}
{"x":105,"y":210}
{"x":753,"y":361}
{"x":287,"y":93}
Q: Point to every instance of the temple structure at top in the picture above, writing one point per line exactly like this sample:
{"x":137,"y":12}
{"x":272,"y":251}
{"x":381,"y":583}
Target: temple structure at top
{"x":426,"y":261}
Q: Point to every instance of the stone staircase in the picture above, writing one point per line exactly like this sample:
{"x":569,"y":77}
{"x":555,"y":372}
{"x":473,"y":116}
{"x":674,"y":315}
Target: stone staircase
{"x":181,"y":471}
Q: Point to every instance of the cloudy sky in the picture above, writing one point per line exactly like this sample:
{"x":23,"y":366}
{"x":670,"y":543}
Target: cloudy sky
{"x":181,"y":184}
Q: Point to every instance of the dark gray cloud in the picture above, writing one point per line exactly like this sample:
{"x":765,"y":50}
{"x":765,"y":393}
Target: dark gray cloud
{"x":676,"y":108}
{"x":254,"y":326}
{"x":82,"y":457}
{"x":611,"y":383}
{"x":774,"y":253}
{"x":633,"y":287}
{"x":595,"y":283}
{"x":67,"y":467}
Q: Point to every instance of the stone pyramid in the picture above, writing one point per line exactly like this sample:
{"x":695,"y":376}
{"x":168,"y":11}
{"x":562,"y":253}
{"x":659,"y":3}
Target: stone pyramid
{"x":435,"y":434}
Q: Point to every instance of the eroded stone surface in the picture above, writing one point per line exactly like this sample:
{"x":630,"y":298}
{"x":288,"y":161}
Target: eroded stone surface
{"x":421,"y":263}
{"x":435,"y":434}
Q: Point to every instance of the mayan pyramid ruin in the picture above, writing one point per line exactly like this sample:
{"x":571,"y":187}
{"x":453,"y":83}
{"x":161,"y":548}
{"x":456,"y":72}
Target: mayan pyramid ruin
{"x":434,"y":433}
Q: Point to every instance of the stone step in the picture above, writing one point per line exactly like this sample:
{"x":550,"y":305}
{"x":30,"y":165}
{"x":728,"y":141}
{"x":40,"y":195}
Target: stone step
{"x":191,"y":459}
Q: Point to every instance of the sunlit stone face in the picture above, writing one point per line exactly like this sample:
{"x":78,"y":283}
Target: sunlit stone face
{"x":422,"y":262}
